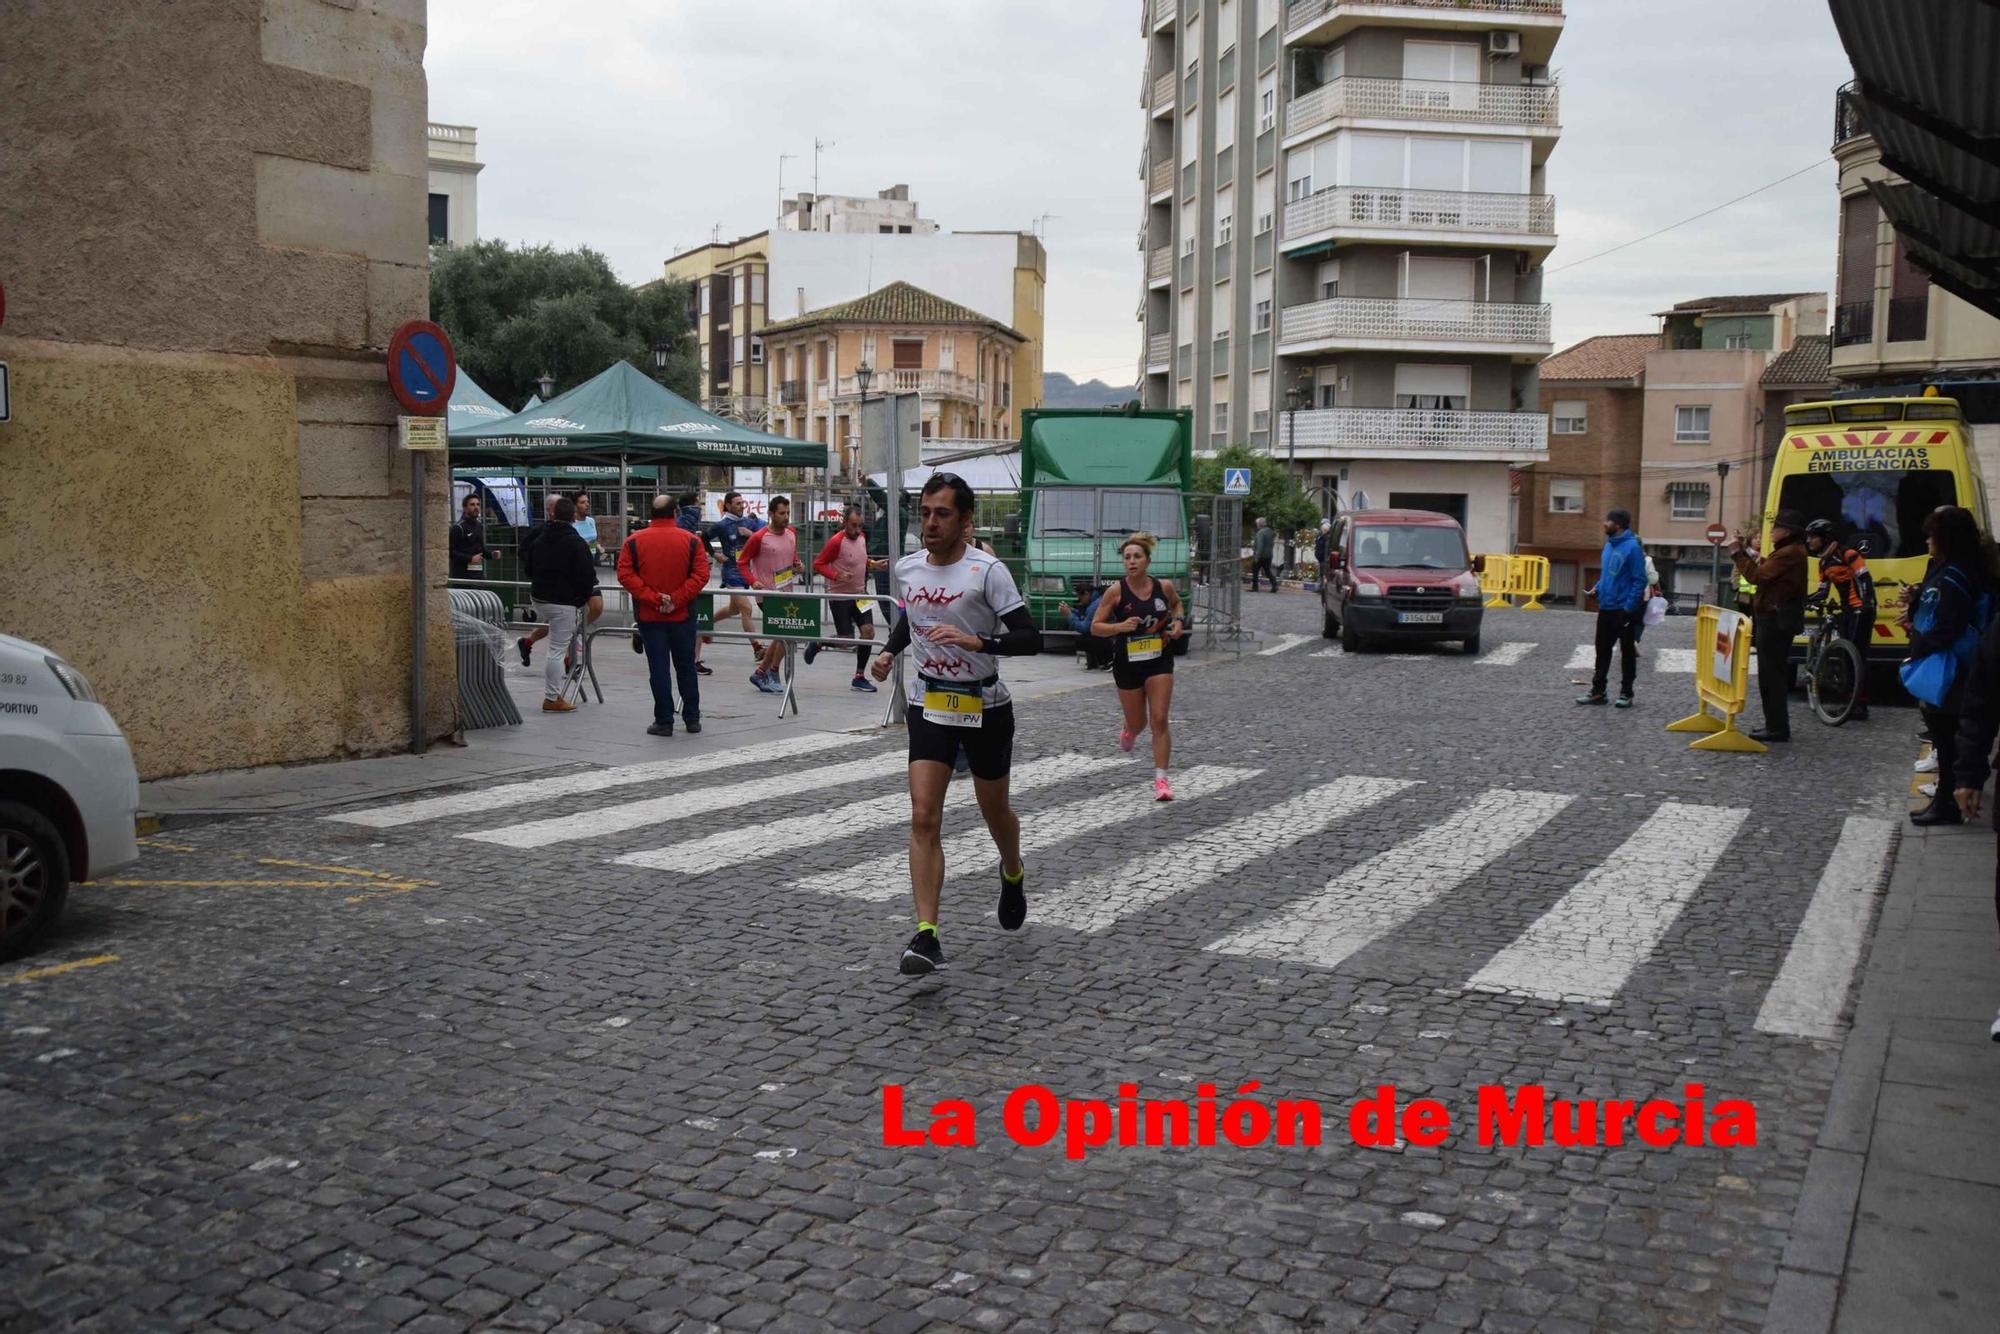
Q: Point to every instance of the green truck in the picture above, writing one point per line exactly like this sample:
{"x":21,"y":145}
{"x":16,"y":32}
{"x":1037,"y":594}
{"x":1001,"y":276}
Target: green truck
{"x":1090,"y":478}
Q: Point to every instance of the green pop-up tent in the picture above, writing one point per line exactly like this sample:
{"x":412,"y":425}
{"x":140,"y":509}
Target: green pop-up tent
{"x":471,"y":406}
{"x":623,"y":417}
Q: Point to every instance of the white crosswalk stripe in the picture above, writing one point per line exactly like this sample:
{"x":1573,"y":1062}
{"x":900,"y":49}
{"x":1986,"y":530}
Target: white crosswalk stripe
{"x":1664,"y":660}
{"x":1193,"y":863}
{"x":1806,"y":999}
{"x":684,"y":802}
{"x":1586,"y":946}
{"x":1507,"y":655}
{"x":735,"y":845}
{"x":1284,"y":643}
{"x":483,"y":800}
{"x":1364,"y":904}
{"x":972,"y":852}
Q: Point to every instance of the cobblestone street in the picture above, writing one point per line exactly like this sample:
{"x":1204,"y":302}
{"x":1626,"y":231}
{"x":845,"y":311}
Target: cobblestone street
{"x":604,"y":1048}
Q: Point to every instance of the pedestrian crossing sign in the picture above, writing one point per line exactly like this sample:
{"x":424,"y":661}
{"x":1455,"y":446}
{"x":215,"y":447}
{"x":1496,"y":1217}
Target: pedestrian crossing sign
{"x":1235,"y":481}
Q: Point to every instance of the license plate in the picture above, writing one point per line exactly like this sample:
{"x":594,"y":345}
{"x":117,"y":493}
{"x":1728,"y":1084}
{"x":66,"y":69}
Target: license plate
{"x":1420,"y":618}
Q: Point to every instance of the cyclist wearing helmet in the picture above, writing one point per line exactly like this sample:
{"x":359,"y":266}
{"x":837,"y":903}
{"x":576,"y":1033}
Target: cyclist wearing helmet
{"x":1846,"y":583}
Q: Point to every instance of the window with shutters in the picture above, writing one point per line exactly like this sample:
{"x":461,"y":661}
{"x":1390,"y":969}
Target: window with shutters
{"x":1571,"y":417}
{"x":1435,"y":388}
{"x":1691,"y":422}
{"x":756,"y":351}
{"x":1565,"y":496}
{"x":739,"y":350}
{"x":1262,"y":317}
{"x":757,"y":289}
{"x":908,"y":353}
{"x":1687,"y":500}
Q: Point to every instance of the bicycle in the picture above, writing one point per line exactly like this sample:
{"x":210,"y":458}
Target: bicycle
{"x":1834,"y":670}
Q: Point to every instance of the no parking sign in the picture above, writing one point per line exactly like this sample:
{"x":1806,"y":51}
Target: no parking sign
{"x":422,"y":368}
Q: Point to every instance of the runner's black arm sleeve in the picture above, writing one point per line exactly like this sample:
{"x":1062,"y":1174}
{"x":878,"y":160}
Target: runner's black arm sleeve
{"x":899,"y":638}
{"x":1022,"y":638}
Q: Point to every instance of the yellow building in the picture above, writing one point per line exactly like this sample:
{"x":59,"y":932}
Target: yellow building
{"x":910,"y":341}
{"x":726,"y":306}
{"x":202,"y":504}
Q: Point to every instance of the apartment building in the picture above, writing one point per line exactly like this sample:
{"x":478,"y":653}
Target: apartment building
{"x":1703,"y":454}
{"x":1344,"y":224}
{"x":827,"y":250}
{"x":453,"y":167}
{"x":727,"y":306}
{"x":899,"y":339}
{"x":1594,"y":394}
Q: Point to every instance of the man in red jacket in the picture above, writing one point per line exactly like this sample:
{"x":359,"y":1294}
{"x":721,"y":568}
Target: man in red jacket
{"x":664,"y":567}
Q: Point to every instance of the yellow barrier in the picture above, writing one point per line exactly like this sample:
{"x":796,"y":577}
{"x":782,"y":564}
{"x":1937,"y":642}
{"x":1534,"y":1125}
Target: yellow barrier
{"x":1721,"y":682}
{"x":1494,"y":577}
{"x":1528,"y":577}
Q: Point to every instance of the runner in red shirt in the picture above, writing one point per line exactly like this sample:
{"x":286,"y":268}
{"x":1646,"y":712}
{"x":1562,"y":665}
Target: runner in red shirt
{"x":770,"y":559}
{"x":843,"y":562}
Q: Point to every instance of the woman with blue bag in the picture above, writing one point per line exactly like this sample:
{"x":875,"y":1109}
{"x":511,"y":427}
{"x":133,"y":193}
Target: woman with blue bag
{"x":1952,"y":607}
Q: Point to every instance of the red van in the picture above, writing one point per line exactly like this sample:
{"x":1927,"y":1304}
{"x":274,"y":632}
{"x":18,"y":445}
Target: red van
{"x":1400,"y":575}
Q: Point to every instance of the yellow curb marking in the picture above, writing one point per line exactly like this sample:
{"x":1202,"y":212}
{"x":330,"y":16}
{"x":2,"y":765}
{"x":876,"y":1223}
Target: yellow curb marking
{"x":57,"y":969}
{"x":242,"y":884}
{"x":336,"y":870}
{"x":166,"y":847}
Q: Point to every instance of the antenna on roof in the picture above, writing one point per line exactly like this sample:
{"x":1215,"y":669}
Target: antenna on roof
{"x":1041,"y":227}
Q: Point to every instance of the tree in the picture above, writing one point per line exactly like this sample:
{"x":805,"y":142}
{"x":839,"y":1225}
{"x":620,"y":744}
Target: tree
{"x":1274,"y":495}
{"x":514,"y":313}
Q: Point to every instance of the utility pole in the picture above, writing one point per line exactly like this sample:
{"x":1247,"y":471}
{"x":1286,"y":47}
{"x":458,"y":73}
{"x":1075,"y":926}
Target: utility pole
{"x":1715,"y":556}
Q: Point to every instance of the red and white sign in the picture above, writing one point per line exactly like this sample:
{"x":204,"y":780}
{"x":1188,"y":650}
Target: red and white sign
{"x":1717,"y":534}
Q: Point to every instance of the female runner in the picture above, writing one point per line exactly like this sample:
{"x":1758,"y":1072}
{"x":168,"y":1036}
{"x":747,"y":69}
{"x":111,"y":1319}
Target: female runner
{"x":1141,"y":613}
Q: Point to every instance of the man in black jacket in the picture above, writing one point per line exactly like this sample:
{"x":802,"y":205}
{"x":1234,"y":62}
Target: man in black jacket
{"x":468,"y":540}
{"x":563,"y":579}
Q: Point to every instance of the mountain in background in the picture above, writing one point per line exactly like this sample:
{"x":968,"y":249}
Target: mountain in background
{"x":1059,"y":391}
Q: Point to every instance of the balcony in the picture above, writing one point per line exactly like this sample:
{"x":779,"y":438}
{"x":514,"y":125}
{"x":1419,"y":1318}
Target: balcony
{"x":1163,"y":95}
{"x":1533,"y":105}
{"x":1386,"y":214}
{"x":1159,"y":354}
{"x":1538,"y":21}
{"x":1511,"y":437}
{"x":1160,"y":180}
{"x":1853,"y":322}
{"x":792,"y":393}
{"x":935,"y":384}
{"x":1847,"y":117}
{"x":1414,"y":324}
{"x":1160,"y":266}
{"x":1164,"y":12}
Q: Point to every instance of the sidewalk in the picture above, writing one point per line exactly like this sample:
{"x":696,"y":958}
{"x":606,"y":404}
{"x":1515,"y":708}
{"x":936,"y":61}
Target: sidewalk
{"x":1898,"y":1224}
{"x":734,"y":714}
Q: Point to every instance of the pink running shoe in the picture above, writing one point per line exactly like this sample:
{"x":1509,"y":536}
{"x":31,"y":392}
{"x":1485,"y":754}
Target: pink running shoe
{"x":1162,"y":790}
{"x":1125,"y":740}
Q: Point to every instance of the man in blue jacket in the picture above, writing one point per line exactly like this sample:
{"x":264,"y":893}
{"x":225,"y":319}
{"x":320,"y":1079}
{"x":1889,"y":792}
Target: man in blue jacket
{"x":1621,"y":602}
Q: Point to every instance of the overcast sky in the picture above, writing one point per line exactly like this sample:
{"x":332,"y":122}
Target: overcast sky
{"x":636,"y":127}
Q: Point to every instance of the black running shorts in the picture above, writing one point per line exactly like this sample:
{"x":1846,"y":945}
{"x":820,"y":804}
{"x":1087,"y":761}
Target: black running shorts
{"x":989,"y":747}
{"x":1134,"y":675}
{"x":848,"y":616}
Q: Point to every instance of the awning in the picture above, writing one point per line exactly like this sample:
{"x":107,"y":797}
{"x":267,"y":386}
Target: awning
{"x":1924,"y":88}
{"x":623,"y":413}
{"x":1688,"y":489}
{"x":471,"y":406}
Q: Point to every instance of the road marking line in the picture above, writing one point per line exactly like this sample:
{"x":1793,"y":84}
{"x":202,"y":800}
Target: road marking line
{"x":1198,"y":861}
{"x":1586,"y":946}
{"x":1286,"y":642}
{"x":735,"y":845}
{"x":57,"y":969}
{"x":597,"y":780}
{"x":249,"y":884}
{"x":1674,"y":660}
{"x":1366,"y":902}
{"x":684,"y":803}
{"x":1508,"y":655}
{"x":1806,"y":999}
{"x":165,"y":847}
{"x":1585,"y":657}
{"x":336,"y":870}
{"x":972,"y":852}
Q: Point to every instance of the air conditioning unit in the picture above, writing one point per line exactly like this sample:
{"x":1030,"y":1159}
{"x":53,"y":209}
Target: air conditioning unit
{"x":1503,"y":44}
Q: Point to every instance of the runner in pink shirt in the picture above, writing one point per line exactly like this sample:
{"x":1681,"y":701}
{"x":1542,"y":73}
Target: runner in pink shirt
{"x":770,"y":559}
{"x":844,"y":563}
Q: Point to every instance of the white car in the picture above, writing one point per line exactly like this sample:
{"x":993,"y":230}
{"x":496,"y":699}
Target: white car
{"x":69,"y":794}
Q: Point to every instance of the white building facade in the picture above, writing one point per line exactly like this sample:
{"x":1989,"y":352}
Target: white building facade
{"x":1344,"y":224}
{"x":454,"y":184}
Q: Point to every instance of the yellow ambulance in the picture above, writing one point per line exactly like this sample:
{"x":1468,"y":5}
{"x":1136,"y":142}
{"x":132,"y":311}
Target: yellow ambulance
{"x":1877,"y":467}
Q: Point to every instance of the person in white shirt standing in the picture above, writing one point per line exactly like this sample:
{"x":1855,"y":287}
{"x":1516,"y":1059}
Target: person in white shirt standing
{"x":962,"y":614}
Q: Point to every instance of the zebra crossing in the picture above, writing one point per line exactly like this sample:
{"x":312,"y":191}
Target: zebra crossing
{"x":1582,"y":658}
{"x":1399,"y":856}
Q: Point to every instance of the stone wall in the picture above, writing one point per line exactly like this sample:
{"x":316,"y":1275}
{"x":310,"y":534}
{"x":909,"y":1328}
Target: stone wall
{"x":215,"y":219}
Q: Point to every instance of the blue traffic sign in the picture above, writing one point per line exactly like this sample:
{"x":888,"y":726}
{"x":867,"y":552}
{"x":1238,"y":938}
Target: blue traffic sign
{"x":1235,"y":481}
{"x":422,"y":367}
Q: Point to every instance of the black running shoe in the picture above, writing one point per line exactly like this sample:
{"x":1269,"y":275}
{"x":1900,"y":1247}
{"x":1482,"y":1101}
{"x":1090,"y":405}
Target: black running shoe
{"x":1013,"y":901}
{"x":922,"y":955}
{"x":527,"y":657}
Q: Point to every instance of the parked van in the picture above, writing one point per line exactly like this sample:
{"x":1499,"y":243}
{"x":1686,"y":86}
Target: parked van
{"x":1401,"y":575}
{"x":1876,"y":468}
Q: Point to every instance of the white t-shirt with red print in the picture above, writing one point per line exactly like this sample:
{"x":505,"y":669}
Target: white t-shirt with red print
{"x":974,"y":593}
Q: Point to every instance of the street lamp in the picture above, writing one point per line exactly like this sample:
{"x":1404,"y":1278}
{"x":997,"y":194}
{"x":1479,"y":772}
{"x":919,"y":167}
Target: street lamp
{"x":660,"y":349}
{"x":862,"y":375}
{"x":1294,"y":398}
{"x":547,"y":384}
{"x":1715,"y":556}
